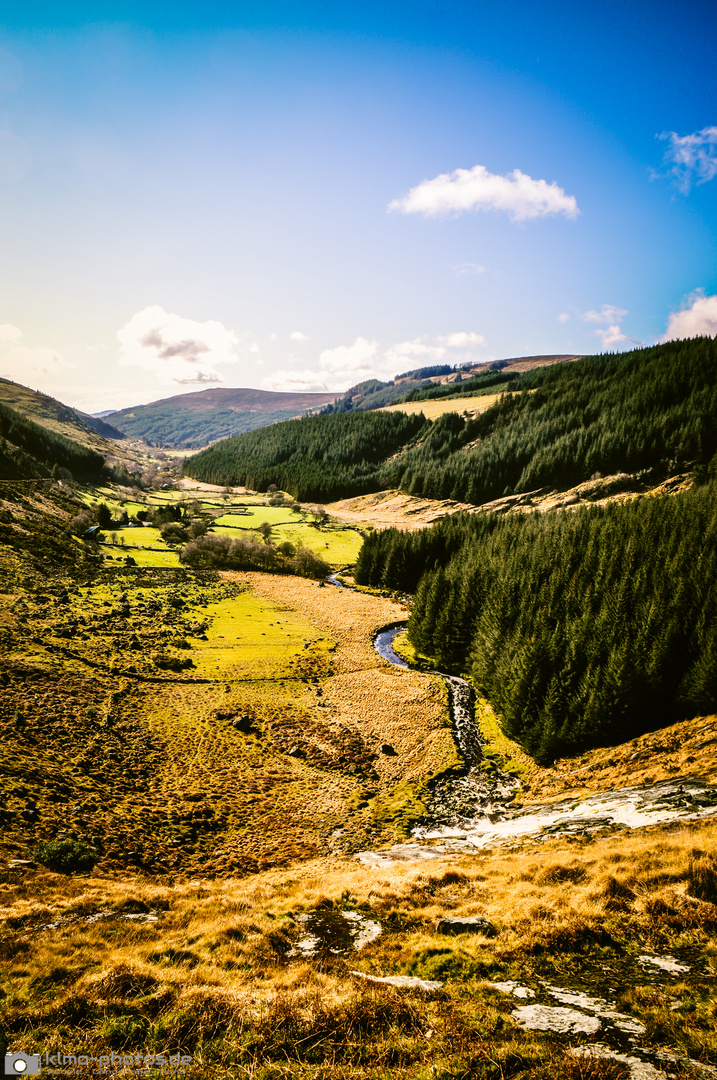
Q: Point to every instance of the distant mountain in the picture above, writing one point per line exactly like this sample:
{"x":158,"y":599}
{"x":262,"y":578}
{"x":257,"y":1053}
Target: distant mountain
{"x":195,"y":420}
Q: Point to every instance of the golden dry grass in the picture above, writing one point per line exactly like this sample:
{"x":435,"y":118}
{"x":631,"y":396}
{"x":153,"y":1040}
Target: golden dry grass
{"x":214,"y":976}
{"x":431,"y":409}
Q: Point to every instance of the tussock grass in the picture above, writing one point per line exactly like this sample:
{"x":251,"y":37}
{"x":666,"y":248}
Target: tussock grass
{"x":215,"y":975}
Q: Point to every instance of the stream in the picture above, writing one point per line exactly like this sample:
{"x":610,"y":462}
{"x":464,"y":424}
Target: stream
{"x":479,"y":809}
{"x":482,"y":808}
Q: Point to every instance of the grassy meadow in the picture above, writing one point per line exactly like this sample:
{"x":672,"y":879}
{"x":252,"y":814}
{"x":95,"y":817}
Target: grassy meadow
{"x":225,"y":515}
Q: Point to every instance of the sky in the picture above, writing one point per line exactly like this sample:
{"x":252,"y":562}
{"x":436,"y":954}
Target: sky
{"x":301,"y":196}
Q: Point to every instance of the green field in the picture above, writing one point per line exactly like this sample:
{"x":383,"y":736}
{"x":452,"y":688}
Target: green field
{"x":229,"y":515}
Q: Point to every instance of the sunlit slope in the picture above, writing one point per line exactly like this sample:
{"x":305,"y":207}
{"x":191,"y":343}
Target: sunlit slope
{"x":58,"y":418}
{"x":181,"y":719}
{"x":431,"y":409}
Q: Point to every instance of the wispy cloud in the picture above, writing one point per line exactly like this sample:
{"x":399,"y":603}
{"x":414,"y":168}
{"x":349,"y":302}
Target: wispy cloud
{"x":697,"y":317}
{"x":468,"y":268}
{"x":608,"y":329}
{"x":463,"y":339}
{"x":176,"y":349}
{"x":297,"y":335}
{"x":23,"y":364}
{"x":607,"y":313}
{"x":516,"y":194}
{"x":346,"y":365}
{"x":691,"y":158}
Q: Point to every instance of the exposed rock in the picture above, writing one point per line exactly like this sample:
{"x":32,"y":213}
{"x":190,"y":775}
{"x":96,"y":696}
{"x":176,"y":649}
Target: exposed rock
{"x":402,"y":981}
{"x":667,"y":963}
{"x":388,"y":750}
{"x":474,"y":924}
{"x":513,"y":988}
{"x":639,"y":1069}
{"x":547,"y":1018}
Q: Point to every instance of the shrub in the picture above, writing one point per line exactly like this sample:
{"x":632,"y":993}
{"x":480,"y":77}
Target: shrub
{"x":174,"y":533}
{"x":66,"y":856}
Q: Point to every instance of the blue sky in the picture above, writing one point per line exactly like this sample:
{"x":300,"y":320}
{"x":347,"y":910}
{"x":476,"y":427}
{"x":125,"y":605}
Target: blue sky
{"x":300,"y":196}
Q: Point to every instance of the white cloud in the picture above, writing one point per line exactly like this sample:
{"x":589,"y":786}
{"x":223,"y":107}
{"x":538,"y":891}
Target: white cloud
{"x":516,"y":194}
{"x":346,"y":365}
{"x":697,"y":317}
{"x":176,"y":349}
{"x":413,"y":353}
{"x":296,"y":335}
{"x":607,"y":313}
{"x":563,"y":316}
{"x":468,"y":268}
{"x":338,"y":369}
{"x":463,"y":340}
{"x":9,"y":333}
{"x":691,"y":157}
{"x":608,"y":330}
{"x":611,"y":335}
{"x":24,"y":365}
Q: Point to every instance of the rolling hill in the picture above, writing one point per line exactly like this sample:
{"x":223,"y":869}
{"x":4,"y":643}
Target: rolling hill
{"x":194,"y":420}
{"x":88,"y":431}
{"x":41,"y":434}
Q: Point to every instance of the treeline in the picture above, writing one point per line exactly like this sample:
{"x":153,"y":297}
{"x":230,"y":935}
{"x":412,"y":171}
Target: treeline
{"x":582,"y":628}
{"x":416,"y":385}
{"x":316,"y":458}
{"x":29,"y":450}
{"x":374,"y":394}
{"x":652,"y":408}
{"x":470,"y":386}
{"x":224,"y":553}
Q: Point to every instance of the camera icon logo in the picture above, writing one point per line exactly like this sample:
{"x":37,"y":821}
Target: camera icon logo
{"x":22,"y":1064}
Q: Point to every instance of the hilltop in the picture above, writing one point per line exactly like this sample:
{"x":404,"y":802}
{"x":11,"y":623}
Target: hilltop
{"x":194,"y":420}
{"x":89,"y":431}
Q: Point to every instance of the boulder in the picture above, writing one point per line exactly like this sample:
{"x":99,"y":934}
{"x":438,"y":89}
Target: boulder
{"x":473,"y":924}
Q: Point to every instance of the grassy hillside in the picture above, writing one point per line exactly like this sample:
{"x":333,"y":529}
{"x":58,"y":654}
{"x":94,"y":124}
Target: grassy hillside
{"x":56,"y":417}
{"x":195,"y":420}
{"x":558,"y":426}
{"x":31,"y":450}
